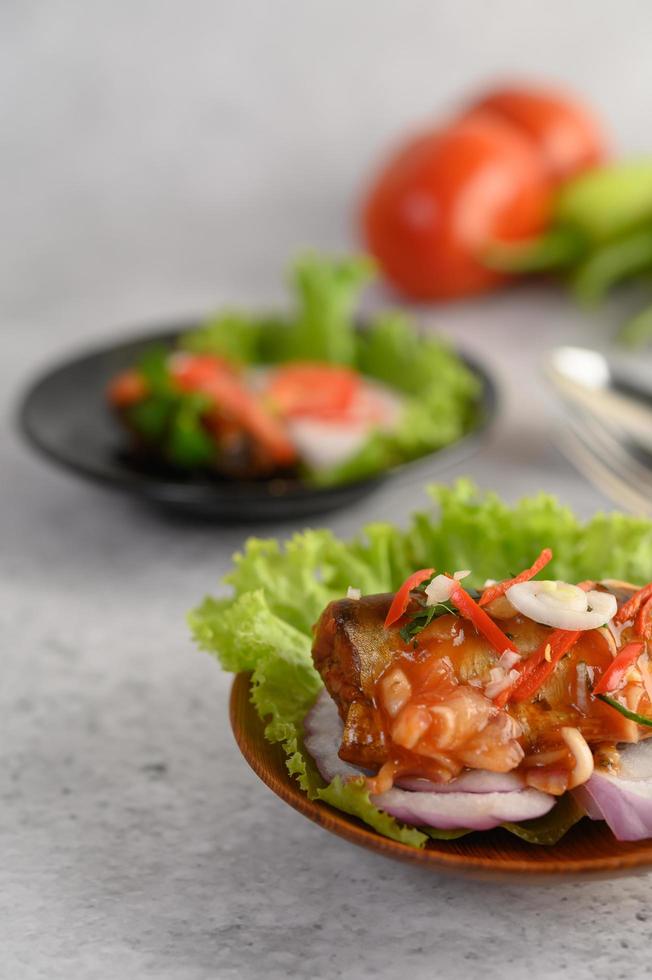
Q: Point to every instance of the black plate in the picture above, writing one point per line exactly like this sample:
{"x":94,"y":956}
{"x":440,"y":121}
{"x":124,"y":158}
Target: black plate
{"x":64,"y":415}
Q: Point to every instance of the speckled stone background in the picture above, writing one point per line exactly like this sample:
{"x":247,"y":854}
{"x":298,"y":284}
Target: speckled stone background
{"x":156,"y":159}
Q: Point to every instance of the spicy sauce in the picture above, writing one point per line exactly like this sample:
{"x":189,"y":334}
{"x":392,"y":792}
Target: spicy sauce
{"x":436,"y":718}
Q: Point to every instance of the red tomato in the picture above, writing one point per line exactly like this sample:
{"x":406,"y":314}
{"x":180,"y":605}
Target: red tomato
{"x":564,"y":132}
{"x":313,"y":389}
{"x":445,"y":196}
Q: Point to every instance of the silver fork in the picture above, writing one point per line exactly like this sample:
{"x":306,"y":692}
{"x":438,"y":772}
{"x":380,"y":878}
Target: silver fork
{"x":604,"y":459}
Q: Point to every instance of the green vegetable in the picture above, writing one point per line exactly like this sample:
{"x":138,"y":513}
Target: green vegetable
{"x":423,"y":619}
{"x":328,"y":294}
{"x":169,"y":418}
{"x":608,"y":201}
{"x":599,"y":206}
{"x":638,"y":330}
{"x":279,"y":591}
{"x":624,"y":711}
{"x":611,"y":263}
{"x":234,"y":336}
{"x":436,"y":833}
{"x":552,"y":826}
{"x":440,"y":397}
{"x":440,"y":392}
{"x":600,"y":234}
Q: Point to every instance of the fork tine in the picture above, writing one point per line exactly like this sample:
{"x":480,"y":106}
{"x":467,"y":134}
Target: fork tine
{"x":614,"y":453}
{"x":573,"y":444}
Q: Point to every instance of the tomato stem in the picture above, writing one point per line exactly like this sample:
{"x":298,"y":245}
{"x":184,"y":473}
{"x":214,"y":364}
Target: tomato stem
{"x":638,"y":330}
{"x":558,"y":248}
{"x":610,"y":264}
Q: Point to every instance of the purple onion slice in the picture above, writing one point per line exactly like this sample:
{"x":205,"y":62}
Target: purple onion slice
{"x":472,"y":811}
{"x":322,"y":735}
{"x":623,"y":801}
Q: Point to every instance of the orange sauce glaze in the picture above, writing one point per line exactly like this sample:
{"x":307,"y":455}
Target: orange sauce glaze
{"x":447,"y":665}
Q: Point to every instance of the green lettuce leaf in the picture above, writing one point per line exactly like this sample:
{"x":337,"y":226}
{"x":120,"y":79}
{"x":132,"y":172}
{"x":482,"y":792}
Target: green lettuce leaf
{"x":279,"y":591}
{"x":440,"y":397}
{"x":550,"y":828}
{"x":353,"y":798}
{"x":247,"y":636}
{"x":328,"y":294}
{"x":232,"y":335}
{"x":240,"y":338}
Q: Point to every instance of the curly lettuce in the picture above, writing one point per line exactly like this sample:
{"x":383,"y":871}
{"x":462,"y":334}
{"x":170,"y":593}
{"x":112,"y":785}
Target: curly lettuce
{"x":279,"y":590}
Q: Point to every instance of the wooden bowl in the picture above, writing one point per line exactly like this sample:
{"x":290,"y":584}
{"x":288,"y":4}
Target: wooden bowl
{"x":588,"y":850}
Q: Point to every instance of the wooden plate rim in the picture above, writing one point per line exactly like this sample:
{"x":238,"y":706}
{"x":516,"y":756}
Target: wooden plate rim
{"x":268,"y":762}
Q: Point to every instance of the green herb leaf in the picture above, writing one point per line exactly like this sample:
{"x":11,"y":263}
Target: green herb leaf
{"x":423,"y":619}
{"x":625,"y":712}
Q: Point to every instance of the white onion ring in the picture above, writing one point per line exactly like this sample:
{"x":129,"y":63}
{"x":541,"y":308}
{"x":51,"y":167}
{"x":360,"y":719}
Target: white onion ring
{"x":564,"y":613}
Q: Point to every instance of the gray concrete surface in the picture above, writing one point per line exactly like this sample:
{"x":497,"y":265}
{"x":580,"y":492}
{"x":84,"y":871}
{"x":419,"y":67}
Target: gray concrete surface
{"x":158,"y":159}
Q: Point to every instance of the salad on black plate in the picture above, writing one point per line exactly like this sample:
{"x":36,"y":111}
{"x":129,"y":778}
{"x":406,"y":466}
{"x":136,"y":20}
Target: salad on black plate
{"x":313,"y":395}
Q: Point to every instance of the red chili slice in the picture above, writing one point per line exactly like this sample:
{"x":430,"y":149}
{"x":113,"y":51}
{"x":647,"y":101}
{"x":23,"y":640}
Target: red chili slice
{"x":216,"y":379}
{"x":500,"y":588}
{"x":402,"y":597}
{"x":618,"y":667}
{"x":630,"y":608}
{"x":643,"y":624}
{"x":537,"y":668}
{"x":470,"y":609}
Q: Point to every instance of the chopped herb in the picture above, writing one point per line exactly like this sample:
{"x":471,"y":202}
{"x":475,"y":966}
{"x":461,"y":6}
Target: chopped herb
{"x":423,"y":618}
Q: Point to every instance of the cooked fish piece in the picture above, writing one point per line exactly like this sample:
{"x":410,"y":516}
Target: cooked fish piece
{"x":422,"y":706}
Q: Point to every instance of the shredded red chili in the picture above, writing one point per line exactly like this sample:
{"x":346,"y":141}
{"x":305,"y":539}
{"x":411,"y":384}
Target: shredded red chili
{"x":500,"y":588}
{"x":618,"y":667}
{"x":643,"y":624}
{"x":537,"y":668}
{"x":470,"y":609}
{"x":630,"y":608}
{"x":402,"y":597}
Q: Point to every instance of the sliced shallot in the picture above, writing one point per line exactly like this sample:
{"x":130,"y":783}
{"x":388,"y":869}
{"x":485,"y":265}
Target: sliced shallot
{"x":623,"y":800}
